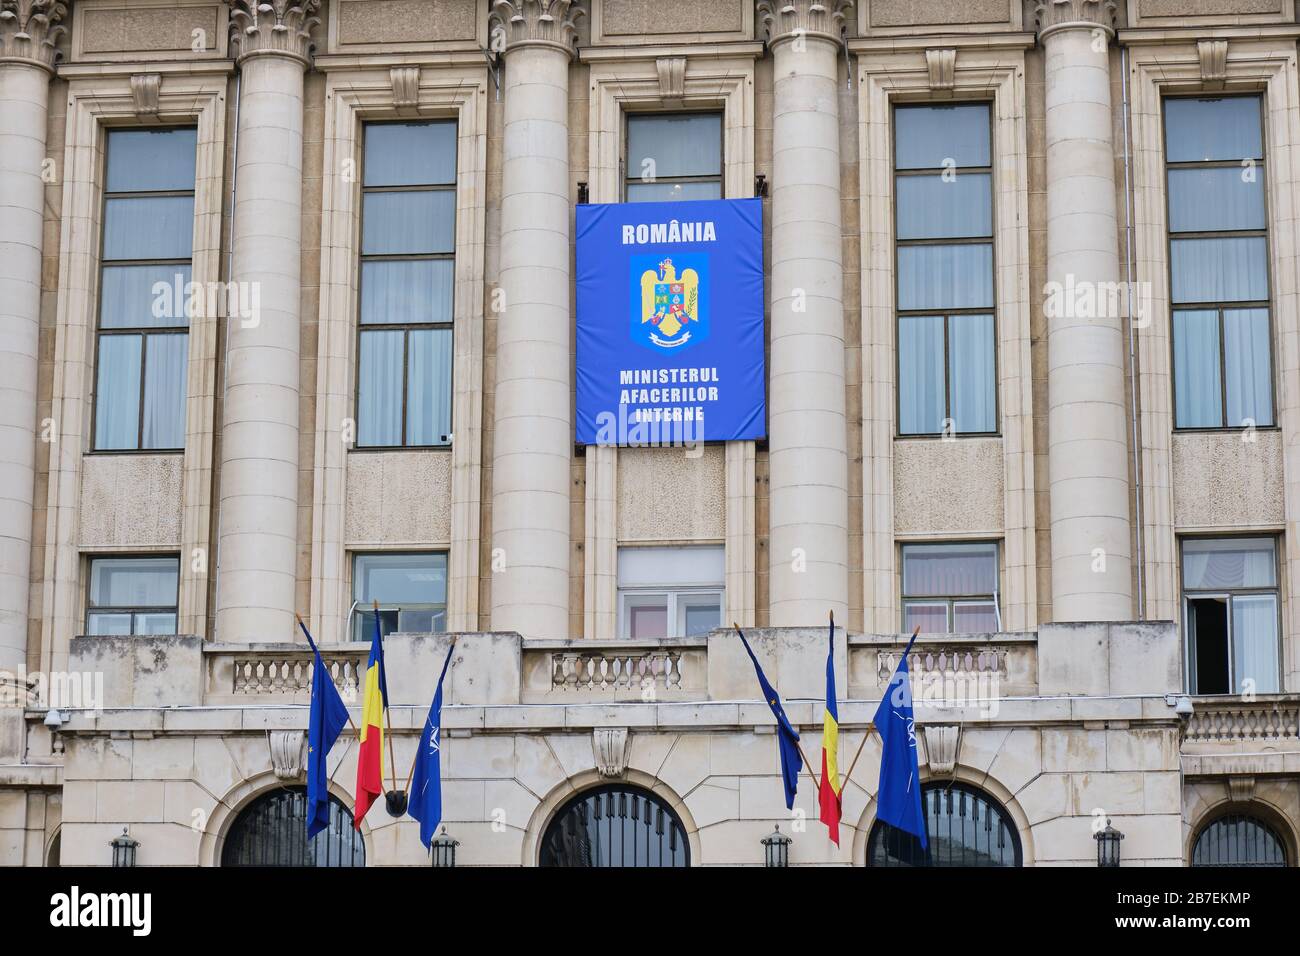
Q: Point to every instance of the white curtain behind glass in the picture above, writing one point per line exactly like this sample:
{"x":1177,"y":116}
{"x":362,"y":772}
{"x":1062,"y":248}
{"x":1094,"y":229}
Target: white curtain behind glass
{"x":428,"y":404}
{"x":1197,"y":390}
{"x":379,"y":411}
{"x":1254,"y":642}
{"x":117,"y":405}
{"x":1247,"y":367}
{"x":920,"y":374}
{"x":164,"y":391}
{"x":970,"y":350}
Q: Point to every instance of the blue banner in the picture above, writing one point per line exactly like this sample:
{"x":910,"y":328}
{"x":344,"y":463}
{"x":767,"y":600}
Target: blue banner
{"x":670,"y":322}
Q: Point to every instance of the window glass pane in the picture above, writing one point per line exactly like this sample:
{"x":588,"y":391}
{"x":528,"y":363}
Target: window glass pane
{"x":145,"y":159}
{"x":155,"y":623}
{"x":672,"y":192}
{"x":1219,"y":270}
{"x":700,"y":618}
{"x":1197,"y":392}
{"x":133,"y":582}
{"x":979,"y":617}
{"x":410,"y":154}
{"x":1247,"y":370}
{"x":420,"y":620}
{"x":930,"y":207}
{"x":1255,"y":643}
{"x":648,"y":621}
{"x":1198,"y":129}
{"x":662,"y":146}
{"x":99,"y":624}
{"x":949,"y":570}
{"x":1215,"y":198}
{"x":920,"y":374}
{"x":407,"y":290}
{"x":930,"y":618}
{"x":144,"y":297}
{"x":166,"y":361}
{"x":379,"y":388}
{"x":1218,"y":563}
{"x":970,"y":353}
{"x":928,"y":137}
{"x":400,"y":578}
{"x":428,"y":393}
{"x":117,"y":392}
{"x":150,"y":227}
{"x":408,"y":223}
{"x":670,"y":567}
{"x":945,"y":277}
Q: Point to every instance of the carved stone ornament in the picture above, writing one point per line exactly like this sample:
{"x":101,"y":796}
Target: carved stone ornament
{"x":406,"y":85}
{"x":796,"y":19}
{"x":942,"y":67}
{"x":273,"y":27}
{"x":1214,"y":60}
{"x":145,"y":88}
{"x":1241,"y":789}
{"x":941,"y":743}
{"x":30,"y":30}
{"x":610,"y":746}
{"x":286,"y":753}
{"x":1050,"y":14}
{"x":514,"y":23}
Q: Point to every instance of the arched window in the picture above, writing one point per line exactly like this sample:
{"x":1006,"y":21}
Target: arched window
{"x":1239,"y":839}
{"x":615,"y":825}
{"x":272,"y":831}
{"x":964,"y":827}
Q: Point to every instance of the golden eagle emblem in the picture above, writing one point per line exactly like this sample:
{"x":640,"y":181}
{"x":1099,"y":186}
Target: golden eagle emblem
{"x":670,"y":303}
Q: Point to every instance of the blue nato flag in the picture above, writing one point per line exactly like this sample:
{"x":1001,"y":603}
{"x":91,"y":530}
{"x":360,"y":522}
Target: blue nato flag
{"x":898,"y":798}
{"x":787,"y":737}
{"x":329,"y":715}
{"x":426,"y":780}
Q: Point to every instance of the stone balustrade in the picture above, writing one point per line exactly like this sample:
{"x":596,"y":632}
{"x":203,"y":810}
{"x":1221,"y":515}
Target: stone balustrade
{"x":1216,"y":720}
{"x":576,"y":671}
{"x":243,"y":673}
{"x":999,"y":665}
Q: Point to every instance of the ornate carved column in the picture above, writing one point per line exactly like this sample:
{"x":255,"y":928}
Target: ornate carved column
{"x":807,"y":441}
{"x":533,"y":440}
{"x":29,"y":30}
{"x":258,"y":519}
{"x":1087,"y":423}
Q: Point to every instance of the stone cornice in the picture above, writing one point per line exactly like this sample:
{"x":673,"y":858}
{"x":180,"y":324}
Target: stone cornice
{"x":791,"y":19}
{"x":516,"y":23}
{"x":1051,"y":15}
{"x":29,"y":30}
{"x":273,"y":28}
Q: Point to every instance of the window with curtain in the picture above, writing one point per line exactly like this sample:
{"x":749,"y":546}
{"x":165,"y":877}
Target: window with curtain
{"x":943,"y":209}
{"x":669,"y":592}
{"x":1218,"y":262}
{"x":1231,"y":611}
{"x":408,"y":265}
{"x":951,"y":588}
{"x":411,"y":589}
{"x":132,"y":595}
{"x":673,"y":156}
{"x":142,"y":343}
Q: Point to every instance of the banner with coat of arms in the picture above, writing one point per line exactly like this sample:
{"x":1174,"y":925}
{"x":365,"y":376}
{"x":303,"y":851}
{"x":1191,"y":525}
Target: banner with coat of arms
{"x":670,"y":322}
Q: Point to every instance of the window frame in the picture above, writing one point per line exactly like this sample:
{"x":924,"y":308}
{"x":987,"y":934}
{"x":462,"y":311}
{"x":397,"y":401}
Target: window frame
{"x":676,"y":601}
{"x":133,"y":610}
{"x":142,"y":333}
{"x":1187,"y":595}
{"x":1219,"y":307}
{"x":947,"y":313}
{"x":951,"y":602}
{"x":358,"y":631}
{"x":406,"y":328}
{"x":625,"y":173}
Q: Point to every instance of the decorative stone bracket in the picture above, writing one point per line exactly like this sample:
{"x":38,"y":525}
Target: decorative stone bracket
{"x":610,"y":747}
{"x":286,"y":753}
{"x":942,"y":742}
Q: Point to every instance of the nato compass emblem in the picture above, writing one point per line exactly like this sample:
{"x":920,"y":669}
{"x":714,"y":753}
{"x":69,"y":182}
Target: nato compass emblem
{"x":673,"y":293}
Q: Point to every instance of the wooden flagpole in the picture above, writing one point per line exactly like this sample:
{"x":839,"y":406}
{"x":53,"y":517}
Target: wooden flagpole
{"x":350,"y":723}
{"x":388,"y":717}
{"x":416,"y":756}
{"x":869,"y":730}
{"x":807,"y":763}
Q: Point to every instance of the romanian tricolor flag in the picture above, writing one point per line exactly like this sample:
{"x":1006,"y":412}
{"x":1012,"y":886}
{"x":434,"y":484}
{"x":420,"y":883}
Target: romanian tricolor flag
{"x":370,"y":755}
{"x":829,"y":796}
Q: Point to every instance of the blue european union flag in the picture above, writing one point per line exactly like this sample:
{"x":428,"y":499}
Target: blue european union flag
{"x":898,"y":798}
{"x":426,"y":781}
{"x":329,"y":715}
{"x":786,"y":736}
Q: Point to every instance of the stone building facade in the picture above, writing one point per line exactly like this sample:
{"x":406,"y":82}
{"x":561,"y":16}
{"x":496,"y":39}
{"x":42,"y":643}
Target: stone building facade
{"x":1135,"y":654}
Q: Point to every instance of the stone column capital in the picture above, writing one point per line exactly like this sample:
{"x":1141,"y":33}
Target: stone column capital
{"x":273,"y":28}
{"x":29,"y":30}
{"x":795,"y":19}
{"x":1053,"y":15}
{"x":553,"y":23}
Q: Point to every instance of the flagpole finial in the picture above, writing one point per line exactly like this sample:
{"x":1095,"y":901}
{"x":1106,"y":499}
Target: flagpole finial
{"x":376,"y":604}
{"x":735,"y":625}
{"x":297,"y":617}
{"x":832,"y":615}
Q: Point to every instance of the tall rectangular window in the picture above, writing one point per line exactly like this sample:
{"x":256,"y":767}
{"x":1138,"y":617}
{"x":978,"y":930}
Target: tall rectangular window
{"x":673,"y":156}
{"x":1231,"y":615}
{"x":135,"y":595}
{"x":951,"y":588}
{"x":669,"y":592}
{"x":411,"y":589}
{"x":408,"y":265}
{"x":943,"y":208}
{"x":1218,"y":262}
{"x":143,"y":333}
